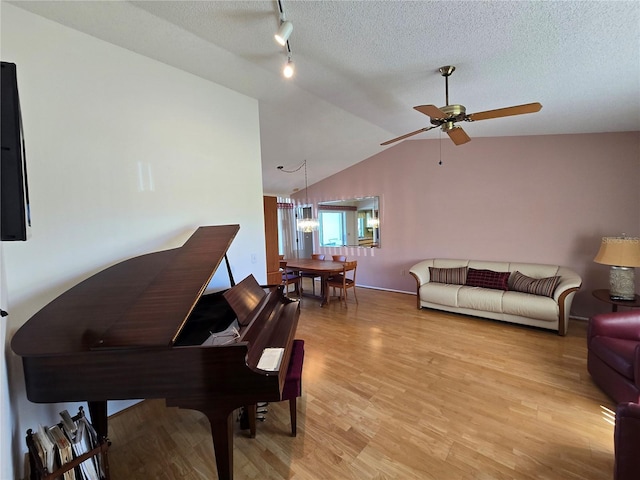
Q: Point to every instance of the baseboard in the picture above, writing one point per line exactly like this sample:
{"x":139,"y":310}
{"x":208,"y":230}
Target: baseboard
{"x":385,"y":289}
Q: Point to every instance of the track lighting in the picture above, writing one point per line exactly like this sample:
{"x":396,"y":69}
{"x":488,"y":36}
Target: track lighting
{"x":283,"y":33}
{"x":282,"y":37}
{"x":288,"y":69}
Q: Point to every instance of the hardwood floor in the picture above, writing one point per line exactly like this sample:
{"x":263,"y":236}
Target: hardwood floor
{"x":393,"y":392}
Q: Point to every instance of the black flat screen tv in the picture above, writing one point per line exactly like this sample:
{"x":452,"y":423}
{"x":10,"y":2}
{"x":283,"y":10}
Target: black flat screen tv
{"x":14,"y":194}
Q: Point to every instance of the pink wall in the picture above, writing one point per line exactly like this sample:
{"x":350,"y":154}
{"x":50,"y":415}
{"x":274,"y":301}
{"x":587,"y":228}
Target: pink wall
{"x":541,"y":199}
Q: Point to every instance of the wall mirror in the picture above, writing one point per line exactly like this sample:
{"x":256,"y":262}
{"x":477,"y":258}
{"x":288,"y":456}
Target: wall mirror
{"x":350,"y":223}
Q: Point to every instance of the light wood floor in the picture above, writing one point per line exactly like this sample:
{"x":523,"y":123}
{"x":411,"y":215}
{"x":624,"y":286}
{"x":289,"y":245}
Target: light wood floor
{"x":392,"y":392}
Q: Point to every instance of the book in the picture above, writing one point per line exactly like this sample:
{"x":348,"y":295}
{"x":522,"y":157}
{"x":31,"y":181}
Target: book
{"x":78,"y":435}
{"x":48,"y":448}
{"x":91,"y":438}
{"x":65,"y":451}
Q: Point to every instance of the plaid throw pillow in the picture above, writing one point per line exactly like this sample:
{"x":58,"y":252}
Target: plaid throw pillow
{"x":536,"y":286}
{"x":487,"y":279}
{"x":452,"y":276}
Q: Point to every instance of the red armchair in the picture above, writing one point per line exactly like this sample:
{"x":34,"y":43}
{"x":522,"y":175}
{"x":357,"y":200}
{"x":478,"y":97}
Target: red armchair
{"x":626,"y":441}
{"x":613,"y":358}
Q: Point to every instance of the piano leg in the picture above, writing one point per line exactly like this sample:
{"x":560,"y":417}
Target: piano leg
{"x":222,"y":433}
{"x":220,"y":417}
{"x":98,"y":412}
{"x":251,"y":414}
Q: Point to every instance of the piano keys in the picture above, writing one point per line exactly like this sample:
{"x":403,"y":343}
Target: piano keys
{"x":135,"y":331}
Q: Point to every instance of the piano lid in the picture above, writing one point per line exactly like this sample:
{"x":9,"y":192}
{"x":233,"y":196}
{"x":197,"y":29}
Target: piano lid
{"x":141,"y":302}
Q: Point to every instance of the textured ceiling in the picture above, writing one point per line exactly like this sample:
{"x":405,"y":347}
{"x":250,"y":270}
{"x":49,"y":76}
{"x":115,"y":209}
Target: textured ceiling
{"x":362,"y":65}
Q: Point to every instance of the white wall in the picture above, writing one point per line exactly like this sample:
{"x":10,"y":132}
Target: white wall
{"x":125,"y":156}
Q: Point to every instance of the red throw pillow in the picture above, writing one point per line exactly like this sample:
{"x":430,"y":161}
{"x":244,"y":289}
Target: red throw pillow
{"x":487,"y":279}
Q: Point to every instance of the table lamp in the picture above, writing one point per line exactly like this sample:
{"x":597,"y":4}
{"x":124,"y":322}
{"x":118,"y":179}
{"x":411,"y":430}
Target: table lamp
{"x":623,"y":254}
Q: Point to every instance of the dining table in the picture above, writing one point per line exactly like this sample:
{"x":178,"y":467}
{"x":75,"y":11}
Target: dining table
{"x":321,"y":268}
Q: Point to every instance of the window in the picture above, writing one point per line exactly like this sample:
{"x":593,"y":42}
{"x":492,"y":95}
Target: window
{"x":332,"y":229}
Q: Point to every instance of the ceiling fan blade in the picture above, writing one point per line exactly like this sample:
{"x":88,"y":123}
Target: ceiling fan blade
{"x":407,"y":135}
{"x":505,"y":112}
{"x":431,"y":110}
{"x":458,"y":135}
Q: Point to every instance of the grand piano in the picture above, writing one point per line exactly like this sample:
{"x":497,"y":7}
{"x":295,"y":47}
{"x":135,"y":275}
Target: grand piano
{"x":135,"y":331}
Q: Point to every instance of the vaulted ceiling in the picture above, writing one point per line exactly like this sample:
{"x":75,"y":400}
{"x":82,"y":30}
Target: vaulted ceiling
{"x":361,"y":66}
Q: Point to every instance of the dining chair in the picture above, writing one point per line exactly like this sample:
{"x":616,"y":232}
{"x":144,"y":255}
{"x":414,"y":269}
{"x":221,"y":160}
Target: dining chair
{"x":339,"y":258}
{"x":313,"y":276}
{"x":344,"y":281}
{"x":290,"y":277}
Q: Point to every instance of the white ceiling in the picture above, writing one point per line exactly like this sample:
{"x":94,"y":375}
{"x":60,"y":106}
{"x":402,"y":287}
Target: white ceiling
{"x":362,"y":65}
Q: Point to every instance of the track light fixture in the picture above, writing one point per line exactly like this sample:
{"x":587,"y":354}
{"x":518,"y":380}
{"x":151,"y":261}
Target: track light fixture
{"x":282,"y":37}
{"x":288,"y":69}
{"x":283,"y":33}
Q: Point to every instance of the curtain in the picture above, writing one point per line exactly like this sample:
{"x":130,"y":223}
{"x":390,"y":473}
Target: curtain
{"x":286,"y":228}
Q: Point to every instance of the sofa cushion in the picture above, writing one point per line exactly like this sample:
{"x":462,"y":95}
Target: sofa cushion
{"x":615,"y":352}
{"x":487,"y":279}
{"x":440,"y":293}
{"x":475,"y":298}
{"x":488,"y":265}
{"x":530,"y":306}
{"x":535,"y":286}
{"x":534,"y":270}
{"x":452,"y":276}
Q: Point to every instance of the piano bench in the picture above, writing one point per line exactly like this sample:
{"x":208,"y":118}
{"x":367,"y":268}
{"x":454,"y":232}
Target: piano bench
{"x":291,"y":391}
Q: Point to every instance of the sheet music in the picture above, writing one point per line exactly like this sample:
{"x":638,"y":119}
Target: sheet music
{"x":230,"y":335}
{"x":270,"y":359}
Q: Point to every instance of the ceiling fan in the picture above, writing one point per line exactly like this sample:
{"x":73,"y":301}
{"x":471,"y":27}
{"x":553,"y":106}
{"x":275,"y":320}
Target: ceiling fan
{"x":447,"y":116}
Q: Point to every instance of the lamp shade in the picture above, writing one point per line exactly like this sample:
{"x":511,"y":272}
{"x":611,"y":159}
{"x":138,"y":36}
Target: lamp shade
{"x":619,"y":251}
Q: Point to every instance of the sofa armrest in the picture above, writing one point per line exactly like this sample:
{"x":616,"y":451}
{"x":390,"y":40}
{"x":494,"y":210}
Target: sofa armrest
{"x":624,"y":325}
{"x":626,"y":440}
{"x":420,"y":271}
{"x":569,"y":281}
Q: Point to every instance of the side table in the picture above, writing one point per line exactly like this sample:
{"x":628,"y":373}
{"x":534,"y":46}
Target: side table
{"x":603,"y":295}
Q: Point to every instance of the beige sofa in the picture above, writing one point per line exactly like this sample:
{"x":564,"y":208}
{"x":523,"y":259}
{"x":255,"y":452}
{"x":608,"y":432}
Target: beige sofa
{"x":529,"y":297}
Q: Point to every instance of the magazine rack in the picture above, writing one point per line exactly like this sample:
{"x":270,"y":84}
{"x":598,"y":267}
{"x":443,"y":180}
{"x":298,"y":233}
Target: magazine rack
{"x":40,"y":472}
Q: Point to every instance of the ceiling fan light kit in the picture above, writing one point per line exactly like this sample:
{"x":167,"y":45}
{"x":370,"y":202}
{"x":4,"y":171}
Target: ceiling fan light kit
{"x":446,"y":117}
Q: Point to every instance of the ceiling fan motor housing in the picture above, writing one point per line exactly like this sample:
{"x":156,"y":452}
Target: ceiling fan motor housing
{"x":455,"y":113}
